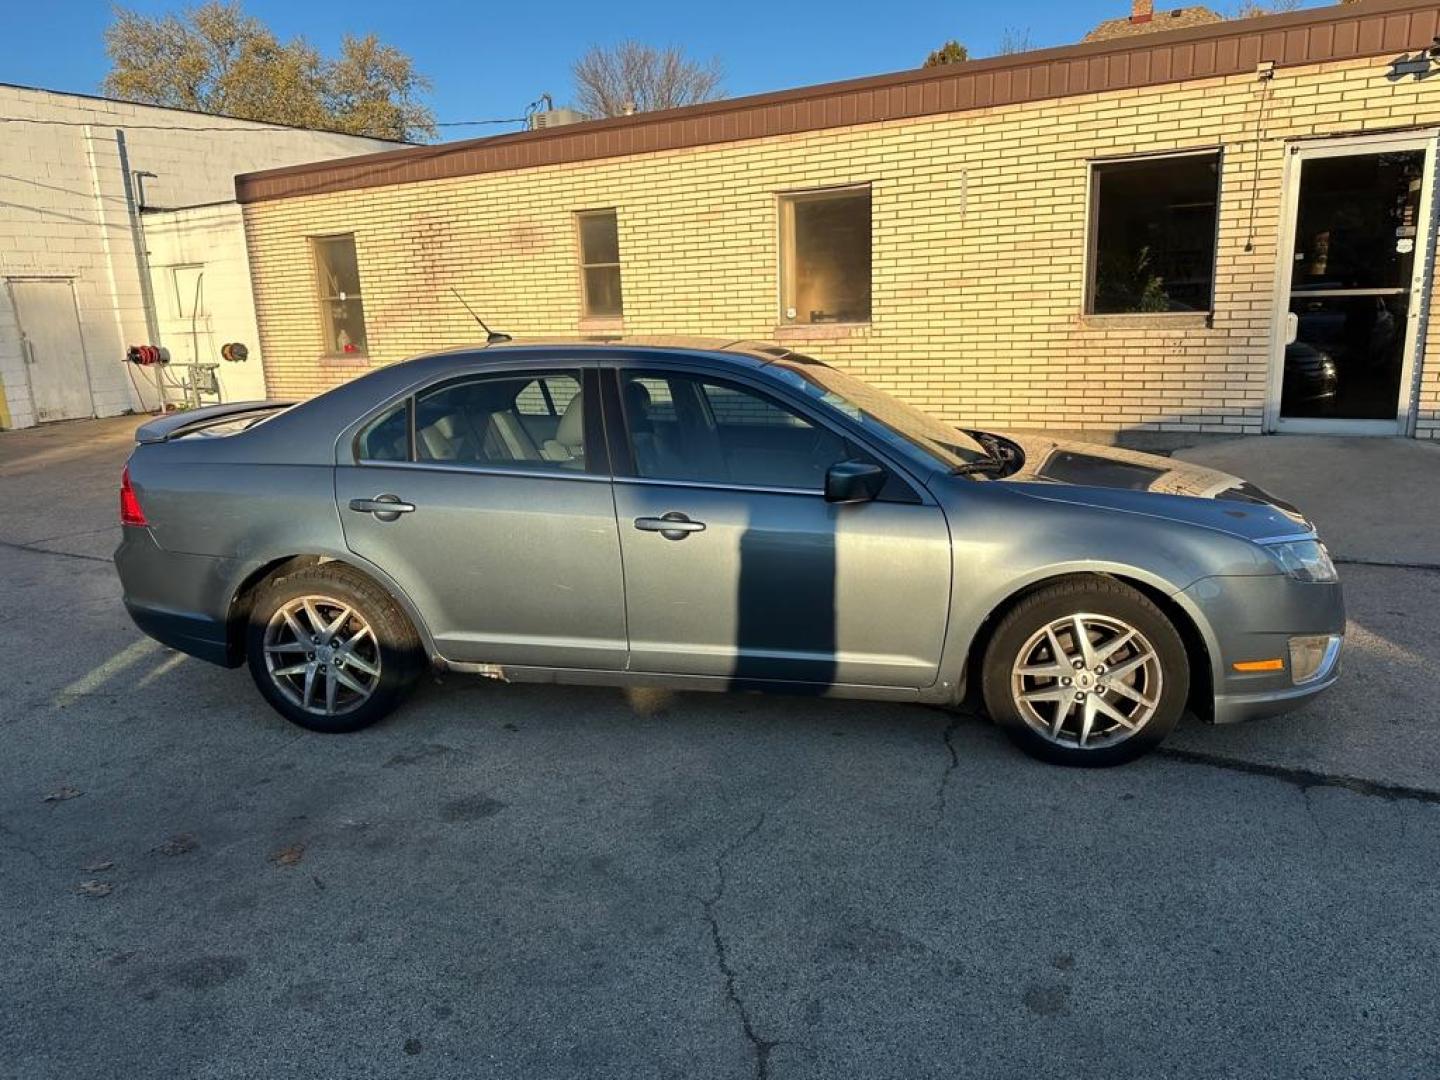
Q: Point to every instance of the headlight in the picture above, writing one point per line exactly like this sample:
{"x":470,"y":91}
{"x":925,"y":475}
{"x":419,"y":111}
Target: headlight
{"x":1304,"y":560}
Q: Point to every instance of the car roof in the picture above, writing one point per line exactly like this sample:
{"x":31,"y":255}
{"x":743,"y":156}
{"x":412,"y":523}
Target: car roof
{"x":717,"y":347}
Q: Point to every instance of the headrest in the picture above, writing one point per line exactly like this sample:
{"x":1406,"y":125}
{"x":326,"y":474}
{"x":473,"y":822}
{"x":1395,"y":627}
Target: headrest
{"x":571,"y":431}
{"x":637,"y":398}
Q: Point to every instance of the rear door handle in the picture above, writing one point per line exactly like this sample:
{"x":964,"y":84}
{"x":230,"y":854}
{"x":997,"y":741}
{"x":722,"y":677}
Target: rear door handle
{"x":672,"y":526}
{"x":384,"y":507}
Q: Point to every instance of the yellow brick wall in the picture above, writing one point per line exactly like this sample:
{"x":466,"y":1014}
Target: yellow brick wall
{"x":979,"y":252}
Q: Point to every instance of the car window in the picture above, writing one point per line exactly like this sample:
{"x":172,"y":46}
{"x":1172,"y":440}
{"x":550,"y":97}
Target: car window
{"x":388,"y":437}
{"x":547,"y":397}
{"x":503,"y":421}
{"x":685,"y":427}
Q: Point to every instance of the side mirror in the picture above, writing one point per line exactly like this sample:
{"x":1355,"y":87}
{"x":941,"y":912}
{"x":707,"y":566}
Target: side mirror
{"x":853,"y":482}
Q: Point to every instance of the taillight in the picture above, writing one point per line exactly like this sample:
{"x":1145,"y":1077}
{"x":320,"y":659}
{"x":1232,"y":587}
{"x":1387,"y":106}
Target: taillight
{"x":130,"y":512}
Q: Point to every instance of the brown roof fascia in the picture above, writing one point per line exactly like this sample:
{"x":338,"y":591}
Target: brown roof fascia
{"x":1311,"y":36}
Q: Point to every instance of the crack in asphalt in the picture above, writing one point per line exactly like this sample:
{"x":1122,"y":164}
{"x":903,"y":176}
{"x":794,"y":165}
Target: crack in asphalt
{"x":1304,"y":779}
{"x":761,"y":1047}
{"x":942,"y":788}
{"x":34,"y":541}
{"x":19,"y":843}
{"x":1433,"y":568}
{"x":11,"y":545}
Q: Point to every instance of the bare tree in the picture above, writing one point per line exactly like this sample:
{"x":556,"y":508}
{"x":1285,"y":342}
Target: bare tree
{"x":1014,"y":41}
{"x":1249,"y":9}
{"x":633,"y":76}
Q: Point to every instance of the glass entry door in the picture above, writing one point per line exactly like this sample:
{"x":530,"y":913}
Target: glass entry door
{"x":1356,"y":237}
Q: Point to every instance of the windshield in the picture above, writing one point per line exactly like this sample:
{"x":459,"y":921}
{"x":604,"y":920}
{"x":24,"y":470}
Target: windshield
{"x":889,"y":419}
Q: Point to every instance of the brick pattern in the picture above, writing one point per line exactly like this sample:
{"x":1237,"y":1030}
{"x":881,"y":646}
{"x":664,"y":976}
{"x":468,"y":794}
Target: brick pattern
{"x":979,"y":222}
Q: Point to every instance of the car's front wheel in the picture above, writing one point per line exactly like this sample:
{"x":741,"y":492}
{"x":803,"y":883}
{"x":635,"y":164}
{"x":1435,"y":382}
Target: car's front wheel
{"x":1086,"y":672}
{"x":329,"y":649}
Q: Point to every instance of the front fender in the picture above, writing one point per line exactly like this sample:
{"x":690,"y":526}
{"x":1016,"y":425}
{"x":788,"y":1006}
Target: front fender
{"x":1006,"y":544}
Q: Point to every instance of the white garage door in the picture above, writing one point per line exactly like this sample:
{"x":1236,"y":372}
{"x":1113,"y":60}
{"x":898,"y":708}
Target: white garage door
{"x":53,"y":350}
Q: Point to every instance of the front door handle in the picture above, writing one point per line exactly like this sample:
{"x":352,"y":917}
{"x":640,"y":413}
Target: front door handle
{"x":384,"y":507}
{"x":672,"y":526}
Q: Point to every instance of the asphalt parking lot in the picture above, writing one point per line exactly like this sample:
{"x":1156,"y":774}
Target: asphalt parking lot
{"x":539,"y":881}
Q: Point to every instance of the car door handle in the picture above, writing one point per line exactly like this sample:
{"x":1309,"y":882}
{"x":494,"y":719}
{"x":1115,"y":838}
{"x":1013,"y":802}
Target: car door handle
{"x":384,"y":507}
{"x":672,"y":526}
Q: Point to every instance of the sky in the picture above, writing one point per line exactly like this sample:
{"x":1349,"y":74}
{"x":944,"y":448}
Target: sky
{"x":489,"y":60}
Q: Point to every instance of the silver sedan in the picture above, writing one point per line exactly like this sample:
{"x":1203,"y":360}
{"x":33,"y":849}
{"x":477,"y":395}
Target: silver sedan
{"x":714,"y":517}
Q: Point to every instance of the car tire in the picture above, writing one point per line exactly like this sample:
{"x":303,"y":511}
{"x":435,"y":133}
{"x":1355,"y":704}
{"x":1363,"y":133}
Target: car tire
{"x":320,"y":667}
{"x":1121,"y":691}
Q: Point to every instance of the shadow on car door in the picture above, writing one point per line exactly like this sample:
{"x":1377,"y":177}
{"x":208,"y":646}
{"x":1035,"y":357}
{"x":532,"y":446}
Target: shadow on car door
{"x":735,"y":564}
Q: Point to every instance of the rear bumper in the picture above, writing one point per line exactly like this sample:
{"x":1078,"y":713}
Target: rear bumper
{"x":180,"y":600}
{"x":197,"y":635}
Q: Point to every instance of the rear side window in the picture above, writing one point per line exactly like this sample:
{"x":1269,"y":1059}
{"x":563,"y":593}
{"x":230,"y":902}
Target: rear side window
{"x":388,"y":437}
{"x":548,"y":396}
{"x":504,"y":421}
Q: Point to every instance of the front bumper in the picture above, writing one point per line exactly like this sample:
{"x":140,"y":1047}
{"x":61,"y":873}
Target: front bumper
{"x":179,"y":600}
{"x":1254,"y":618}
{"x":1233,"y":708}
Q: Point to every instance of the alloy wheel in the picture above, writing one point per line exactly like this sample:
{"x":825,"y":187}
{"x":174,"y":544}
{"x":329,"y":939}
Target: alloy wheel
{"x":1087,"y":681}
{"x":322,"y":655}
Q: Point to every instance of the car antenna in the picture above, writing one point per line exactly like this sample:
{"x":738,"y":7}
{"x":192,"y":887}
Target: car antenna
{"x":492,"y":337}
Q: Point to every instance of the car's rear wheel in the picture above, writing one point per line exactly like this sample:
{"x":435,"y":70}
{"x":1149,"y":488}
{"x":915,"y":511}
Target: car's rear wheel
{"x":329,"y":649}
{"x":1086,"y":672}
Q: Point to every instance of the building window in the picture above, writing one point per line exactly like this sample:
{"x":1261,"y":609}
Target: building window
{"x":825,"y":256}
{"x":600,"y":264}
{"x":1152,"y":230}
{"x":342,"y":315}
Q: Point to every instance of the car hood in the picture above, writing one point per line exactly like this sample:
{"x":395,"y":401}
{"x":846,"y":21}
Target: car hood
{"x":1113,"y":478}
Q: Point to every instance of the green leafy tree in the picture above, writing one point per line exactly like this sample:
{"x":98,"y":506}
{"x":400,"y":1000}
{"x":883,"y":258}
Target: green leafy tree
{"x":216,"y":59}
{"x":952,"y":52}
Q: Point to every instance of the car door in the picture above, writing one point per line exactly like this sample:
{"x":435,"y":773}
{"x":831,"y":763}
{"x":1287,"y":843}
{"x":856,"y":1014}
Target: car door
{"x":503,"y":536}
{"x":735,"y":564}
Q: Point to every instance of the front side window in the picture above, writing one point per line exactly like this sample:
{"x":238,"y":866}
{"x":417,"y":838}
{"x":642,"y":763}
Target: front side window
{"x":684,"y":427}
{"x":825,"y":256}
{"x":500,"y":421}
{"x":1153,"y":234}
{"x":893,"y":422}
{"x":342,"y":314}
{"x":600,"y":264}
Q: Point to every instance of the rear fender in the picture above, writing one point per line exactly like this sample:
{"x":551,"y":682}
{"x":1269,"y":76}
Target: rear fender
{"x":254,"y":573}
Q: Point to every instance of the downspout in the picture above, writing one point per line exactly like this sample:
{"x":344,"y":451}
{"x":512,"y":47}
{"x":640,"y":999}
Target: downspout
{"x":135,"y":205}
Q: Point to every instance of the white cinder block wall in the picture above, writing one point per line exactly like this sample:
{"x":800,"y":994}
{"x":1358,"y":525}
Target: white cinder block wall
{"x":205,"y":244}
{"x":68,"y":206}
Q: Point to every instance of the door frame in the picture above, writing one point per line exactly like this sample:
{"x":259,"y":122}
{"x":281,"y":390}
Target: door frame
{"x":25,"y":363}
{"x":1296,"y":153}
